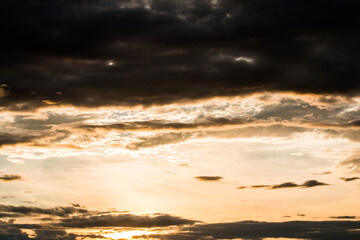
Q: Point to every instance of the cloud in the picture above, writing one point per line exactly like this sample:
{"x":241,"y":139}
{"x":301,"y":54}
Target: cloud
{"x":352,"y":164}
{"x":56,"y":211}
{"x":307,"y":184}
{"x":312,"y":183}
{"x":165,"y":125}
{"x":208,"y":178}
{"x":124,"y":220}
{"x":62,"y":218}
{"x":9,"y":178}
{"x":319,"y":230}
{"x":260,"y":186}
{"x":323,"y":173}
{"x":285,"y":185}
{"x":343,"y":217}
{"x":174,"y":51}
{"x":350,"y":179}
{"x":13,"y":139}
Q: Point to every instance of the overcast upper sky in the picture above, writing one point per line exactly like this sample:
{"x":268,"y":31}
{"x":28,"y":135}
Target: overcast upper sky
{"x":179,"y":120}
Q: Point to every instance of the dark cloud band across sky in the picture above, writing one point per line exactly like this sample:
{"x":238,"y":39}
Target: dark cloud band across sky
{"x":97,"y":53}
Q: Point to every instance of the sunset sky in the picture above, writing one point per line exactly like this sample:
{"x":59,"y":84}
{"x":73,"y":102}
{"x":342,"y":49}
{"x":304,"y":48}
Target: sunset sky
{"x":179,"y":120}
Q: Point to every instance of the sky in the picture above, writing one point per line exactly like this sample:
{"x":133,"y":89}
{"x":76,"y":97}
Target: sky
{"x":179,"y":120}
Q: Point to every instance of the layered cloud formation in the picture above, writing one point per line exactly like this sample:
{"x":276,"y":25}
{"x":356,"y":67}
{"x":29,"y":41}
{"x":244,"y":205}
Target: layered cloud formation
{"x":166,"y":108}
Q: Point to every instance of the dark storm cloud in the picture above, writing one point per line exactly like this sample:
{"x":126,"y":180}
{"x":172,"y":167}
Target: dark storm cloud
{"x":350,"y":179}
{"x":11,"y":233}
{"x":124,"y":220}
{"x":56,"y":211}
{"x":307,"y":184}
{"x":209,"y":178}
{"x":56,"y":234}
{"x":9,"y":178}
{"x":321,"y":230}
{"x":174,"y":50}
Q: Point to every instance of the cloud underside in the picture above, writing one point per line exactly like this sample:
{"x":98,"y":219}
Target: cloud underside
{"x":109,"y":53}
{"x":63,"y":219}
{"x":54,"y":222}
{"x":322,"y":230}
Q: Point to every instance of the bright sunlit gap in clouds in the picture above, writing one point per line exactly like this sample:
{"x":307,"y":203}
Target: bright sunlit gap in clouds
{"x":245,"y":59}
{"x":125,"y":234}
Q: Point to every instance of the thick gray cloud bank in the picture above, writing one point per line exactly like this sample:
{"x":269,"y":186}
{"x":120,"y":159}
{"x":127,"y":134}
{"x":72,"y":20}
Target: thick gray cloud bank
{"x":95,"y":53}
{"x":325,"y":230}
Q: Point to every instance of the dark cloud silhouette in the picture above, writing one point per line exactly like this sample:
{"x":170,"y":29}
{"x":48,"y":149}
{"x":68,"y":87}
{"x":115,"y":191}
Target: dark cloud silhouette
{"x":319,"y":230}
{"x":57,"y":234}
{"x":62,"y":218}
{"x":350,"y":179}
{"x":285,"y":185}
{"x":124,"y":220}
{"x":312,"y":183}
{"x":9,"y":178}
{"x":170,"y":51}
{"x":56,"y":211}
{"x":307,"y":184}
{"x":11,"y":233}
{"x":260,"y":186}
{"x":343,"y":217}
{"x":208,"y":178}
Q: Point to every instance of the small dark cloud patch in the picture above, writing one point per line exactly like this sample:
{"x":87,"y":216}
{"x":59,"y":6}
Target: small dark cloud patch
{"x":9,"y":178}
{"x":260,"y":186}
{"x":312,"y":183}
{"x":343,"y":217}
{"x":209,"y":178}
{"x":350,"y":179}
{"x":307,"y":184}
{"x":285,"y":185}
{"x":241,"y":187}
